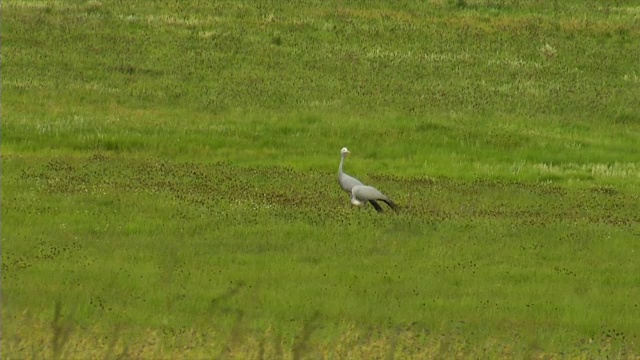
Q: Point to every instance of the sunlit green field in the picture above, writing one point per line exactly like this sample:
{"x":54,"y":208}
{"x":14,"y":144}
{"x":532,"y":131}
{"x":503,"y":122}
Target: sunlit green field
{"x":169,"y":179}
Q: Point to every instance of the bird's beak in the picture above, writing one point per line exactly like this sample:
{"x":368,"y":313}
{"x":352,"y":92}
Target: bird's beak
{"x":348,"y":153}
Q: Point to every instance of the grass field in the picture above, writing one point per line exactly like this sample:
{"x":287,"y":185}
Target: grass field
{"x":169,"y":179}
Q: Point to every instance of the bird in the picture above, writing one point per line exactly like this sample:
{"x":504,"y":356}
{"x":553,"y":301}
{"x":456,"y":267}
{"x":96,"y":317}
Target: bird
{"x":361,"y":194}
{"x":365,"y":193}
{"x":346,"y":182}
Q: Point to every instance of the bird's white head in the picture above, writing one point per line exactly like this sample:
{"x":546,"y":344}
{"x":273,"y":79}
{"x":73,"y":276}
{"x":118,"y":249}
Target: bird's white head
{"x":345,"y":151}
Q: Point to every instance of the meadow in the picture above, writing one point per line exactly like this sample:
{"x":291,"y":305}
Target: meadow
{"x":169,"y":179}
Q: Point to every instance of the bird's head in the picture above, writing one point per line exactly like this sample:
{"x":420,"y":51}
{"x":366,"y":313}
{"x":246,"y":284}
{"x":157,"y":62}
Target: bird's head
{"x":345,"y":151}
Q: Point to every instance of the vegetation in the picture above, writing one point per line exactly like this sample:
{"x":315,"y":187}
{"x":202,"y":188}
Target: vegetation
{"x":169,"y":179}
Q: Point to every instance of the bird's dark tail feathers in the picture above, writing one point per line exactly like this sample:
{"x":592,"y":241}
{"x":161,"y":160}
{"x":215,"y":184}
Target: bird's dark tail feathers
{"x":391,"y":204}
{"x":376,"y":205}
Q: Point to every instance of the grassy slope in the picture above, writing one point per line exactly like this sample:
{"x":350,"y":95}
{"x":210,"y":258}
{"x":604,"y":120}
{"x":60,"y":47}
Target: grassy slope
{"x":476,"y":85}
{"x":507,"y":130}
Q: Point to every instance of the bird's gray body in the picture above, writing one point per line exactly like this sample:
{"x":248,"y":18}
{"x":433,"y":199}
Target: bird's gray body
{"x":361,"y":194}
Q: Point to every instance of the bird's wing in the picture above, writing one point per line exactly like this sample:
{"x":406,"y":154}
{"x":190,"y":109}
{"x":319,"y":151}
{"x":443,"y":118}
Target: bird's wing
{"x":368,"y":193}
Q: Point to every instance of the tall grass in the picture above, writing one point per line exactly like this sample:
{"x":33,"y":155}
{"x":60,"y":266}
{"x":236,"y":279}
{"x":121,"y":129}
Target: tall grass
{"x":169,"y":179}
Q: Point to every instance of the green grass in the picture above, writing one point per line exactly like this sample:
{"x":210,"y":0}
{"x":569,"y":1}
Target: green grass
{"x":169,"y":184}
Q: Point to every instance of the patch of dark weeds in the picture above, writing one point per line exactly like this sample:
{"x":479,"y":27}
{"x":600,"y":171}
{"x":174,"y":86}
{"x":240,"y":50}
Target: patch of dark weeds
{"x":44,"y":252}
{"x":315,"y":198}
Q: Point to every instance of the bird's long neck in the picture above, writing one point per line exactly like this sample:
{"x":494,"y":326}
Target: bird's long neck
{"x":340,"y":167}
